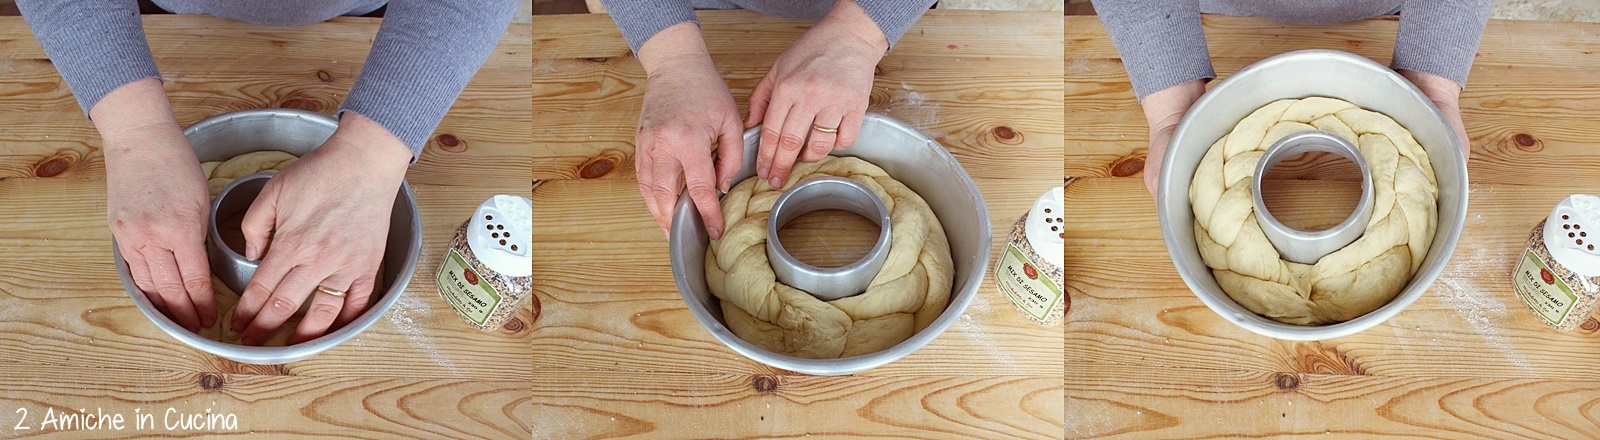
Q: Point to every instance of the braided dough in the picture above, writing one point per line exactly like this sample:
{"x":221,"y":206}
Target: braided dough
{"x":909,"y":292}
{"x":220,"y":173}
{"x":1349,"y":282}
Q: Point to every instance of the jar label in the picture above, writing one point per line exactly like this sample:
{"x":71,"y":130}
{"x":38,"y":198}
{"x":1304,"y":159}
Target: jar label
{"x":1543,"y":291}
{"x":469,"y":293}
{"x":1024,"y":285}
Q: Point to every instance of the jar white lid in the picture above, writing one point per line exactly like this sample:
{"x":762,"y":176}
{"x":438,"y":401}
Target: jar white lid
{"x":1046,"y":213}
{"x":1568,"y":226}
{"x":500,"y":233}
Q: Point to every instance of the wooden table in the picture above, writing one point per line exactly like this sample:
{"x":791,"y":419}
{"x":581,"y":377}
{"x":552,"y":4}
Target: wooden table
{"x":71,"y":339}
{"x":1145,"y":359}
{"x":616,"y":353}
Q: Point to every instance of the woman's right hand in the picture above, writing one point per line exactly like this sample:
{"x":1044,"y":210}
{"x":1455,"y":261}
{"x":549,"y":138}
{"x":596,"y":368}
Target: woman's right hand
{"x":1163,"y":110}
{"x":157,"y":202}
{"x":687,"y":110}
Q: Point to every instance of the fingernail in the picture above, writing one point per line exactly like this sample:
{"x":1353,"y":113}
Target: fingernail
{"x":251,"y":251}
{"x":207,"y":322}
{"x":727,"y":185}
{"x":761,"y":170}
{"x":716,"y":233}
{"x":777,"y":183}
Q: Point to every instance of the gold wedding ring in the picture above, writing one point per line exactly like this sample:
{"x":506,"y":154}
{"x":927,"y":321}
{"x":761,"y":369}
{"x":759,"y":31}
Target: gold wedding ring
{"x":824,"y":129}
{"x":337,"y":293}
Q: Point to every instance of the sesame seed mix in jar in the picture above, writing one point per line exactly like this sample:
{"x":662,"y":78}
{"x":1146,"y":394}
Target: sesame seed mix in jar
{"x":1029,"y":269}
{"x":487,"y":275}
{"x":1558,"y":275}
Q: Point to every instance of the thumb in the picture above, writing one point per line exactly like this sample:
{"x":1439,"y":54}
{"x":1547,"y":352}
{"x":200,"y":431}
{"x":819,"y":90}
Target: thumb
{"x":258,"y":222}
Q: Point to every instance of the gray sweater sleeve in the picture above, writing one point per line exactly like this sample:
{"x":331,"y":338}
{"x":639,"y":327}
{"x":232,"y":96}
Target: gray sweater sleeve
{"x":1161,"y":42}
{"x":1440,"y":37}
{"x":423,"y":56}
{"x":97,"y":45}
{"x":641,"y":19}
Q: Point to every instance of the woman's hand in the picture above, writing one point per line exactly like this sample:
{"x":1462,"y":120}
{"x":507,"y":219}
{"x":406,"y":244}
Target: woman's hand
{"x":323,"y":221}
{"x":1446,"y":95}
{"x":687,"y":109}
{"x":816,"y":94}
{"x":1163,"y":110}
{"x":157,"y":202}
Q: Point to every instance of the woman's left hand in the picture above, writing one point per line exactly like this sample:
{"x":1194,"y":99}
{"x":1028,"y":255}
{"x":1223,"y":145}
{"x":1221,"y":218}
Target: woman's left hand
{"x":1446,"y":95}
{"x":813,"y":99}
{"x":323,"y":221}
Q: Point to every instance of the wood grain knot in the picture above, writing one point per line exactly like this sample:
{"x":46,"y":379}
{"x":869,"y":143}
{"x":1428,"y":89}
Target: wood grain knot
{"x":1004,"y":132}
{"x":1590,"y":325}
{"x":1286,"y":381}
{"x":764,"y":383}
{"x":877,"y":70}
{"x":601,"y":165}
{"x":324,"y":76}
{"x":1007,"y":135}
{"x":601,"y":60}
{"x":210,"y":381}
{"x":1128,"y":166}
{"x":1526,"y":142}
{"x":451,"y":143}
{"x":53,"y":166}
{"x":533,"y":300}
{"x":514,"y":325}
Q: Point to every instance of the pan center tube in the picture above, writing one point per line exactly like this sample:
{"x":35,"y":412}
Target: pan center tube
{"x":233,"y":269}
{"x":1307,"y":247}
{"x":827,"y":283}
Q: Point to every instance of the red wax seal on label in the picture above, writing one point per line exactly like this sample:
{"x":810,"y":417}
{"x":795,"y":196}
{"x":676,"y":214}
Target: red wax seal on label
{"x":1033,"y":274}
{"x":472,"y":278}
{"x":1548,"y":277}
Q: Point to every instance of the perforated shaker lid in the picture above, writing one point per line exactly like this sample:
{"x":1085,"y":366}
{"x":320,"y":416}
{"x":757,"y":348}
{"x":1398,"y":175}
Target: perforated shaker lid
{"x":1572,"y":233}
{"x":1044,"y":228}
{"x":500,"y":232}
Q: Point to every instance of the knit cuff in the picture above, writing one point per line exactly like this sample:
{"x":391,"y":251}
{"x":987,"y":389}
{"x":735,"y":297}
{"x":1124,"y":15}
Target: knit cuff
{"x":641,"y":19}
{"x":96,"y":46}
{"x":422,"y":58}
{"x":1441,"y":37}
{"x":895,"y":17}
{"x":1162,"y":43}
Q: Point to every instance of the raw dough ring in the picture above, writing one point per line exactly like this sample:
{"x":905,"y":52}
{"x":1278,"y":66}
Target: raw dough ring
{"x":910,"y":291}
{"x":1347,"y":283}
{"x":220,"y":173}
